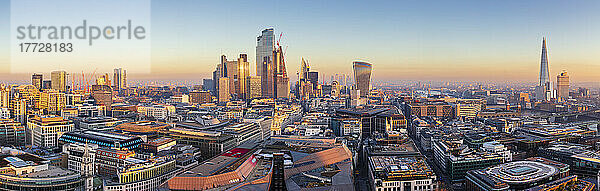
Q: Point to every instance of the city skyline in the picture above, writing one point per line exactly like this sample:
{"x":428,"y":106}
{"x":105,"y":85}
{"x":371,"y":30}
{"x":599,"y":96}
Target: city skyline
{"x":299,"y":95}
{"x":416,"y":42}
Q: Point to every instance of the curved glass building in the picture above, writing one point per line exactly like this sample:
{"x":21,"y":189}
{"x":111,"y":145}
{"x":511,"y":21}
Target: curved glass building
{"x":362,"y":76}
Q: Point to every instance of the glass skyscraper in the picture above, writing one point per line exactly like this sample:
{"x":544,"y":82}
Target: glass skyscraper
{"x":544,"y":74}
{"x":362,"y":76}
{"x":264,"y":53}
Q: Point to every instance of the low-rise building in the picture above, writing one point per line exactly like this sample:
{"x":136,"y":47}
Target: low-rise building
{"x":24,"y":171}
{"x":401,"y":173}
{"x":534,"y":174}
{"x":44,"y":131}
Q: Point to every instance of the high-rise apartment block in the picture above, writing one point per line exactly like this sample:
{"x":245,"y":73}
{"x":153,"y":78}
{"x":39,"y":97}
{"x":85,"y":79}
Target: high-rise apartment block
{"x":120,"y":79}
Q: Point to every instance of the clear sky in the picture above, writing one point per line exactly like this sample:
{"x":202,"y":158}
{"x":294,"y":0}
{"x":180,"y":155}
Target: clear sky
{"x":404,"y":40}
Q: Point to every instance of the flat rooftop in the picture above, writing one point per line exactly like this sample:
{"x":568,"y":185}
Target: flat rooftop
{"x":397,"y":166}
{"x":101,"y":136}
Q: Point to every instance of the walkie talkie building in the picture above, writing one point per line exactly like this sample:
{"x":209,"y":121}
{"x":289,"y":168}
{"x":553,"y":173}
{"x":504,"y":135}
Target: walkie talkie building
{"x":362,"y":76}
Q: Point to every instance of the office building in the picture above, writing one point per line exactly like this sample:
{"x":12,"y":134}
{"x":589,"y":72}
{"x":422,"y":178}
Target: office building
{"x":304,"y":68}
{"x":254,"y":87}
{"x":455,"y":159}
{"x":12,"y":133}
{"x":200,"y":97}
{"x":562,"y":86}
{"x":208,"y":85}
{"x":100,"y":123}
{"x":23,"y":171}
{"x":37,"y":80}
{"x":103,"y":94}
{"x":224,"y":94}
{"x":210,"y":143}
{"x":59,"y":80}
{"x":156,"y":111}
{"x":52,"y":101}
{"x":313,"y":78}
{"x":243,"y":67}
{"x":265,"y":44}
{"x":78,"y":154}
{"x":142,"y":174}
{"x":433,"y":109}
{"x":44,"y":131}
{"x":102,"y":139}
{"x":108,"y":161}
{"x":401,"y":173}
{"x":347,"y":126}
{"x":141,"y":127}
{"x":530,"y":174}
{"x":385,"y":121}
{"x":362,"y":76}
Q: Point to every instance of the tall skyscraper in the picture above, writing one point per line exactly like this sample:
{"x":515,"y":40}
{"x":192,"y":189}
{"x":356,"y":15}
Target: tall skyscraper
{"x":267,"y":78}
{"x":231,"y":70}
{"x":304,"y":68}
{"x":544,"y":72}
{"x":545,"y":89}
{"x":59,"y":80}
{"x":281,"y":82}
{"x":220,"y":72}
{"x":305,"y":83}
{"x":242,"y":75}
{"x":362,"y":76}
{"x":120,"y":79}
{"x":562,"y":86}
{"x":265,"y":46}
{"x":37,"y":80}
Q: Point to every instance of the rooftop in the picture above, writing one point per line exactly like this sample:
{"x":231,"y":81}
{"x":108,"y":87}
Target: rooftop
{"x":393,"y":167}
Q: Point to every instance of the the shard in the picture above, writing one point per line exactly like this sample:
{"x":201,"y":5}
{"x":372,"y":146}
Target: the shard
{"x":544,"y":74}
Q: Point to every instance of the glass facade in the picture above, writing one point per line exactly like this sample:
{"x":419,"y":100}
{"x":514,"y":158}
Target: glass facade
{"x":362,"y":77}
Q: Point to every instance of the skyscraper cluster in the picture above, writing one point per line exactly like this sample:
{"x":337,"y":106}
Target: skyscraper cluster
{"x":231,"y":77}
{"x":233,"y":80}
